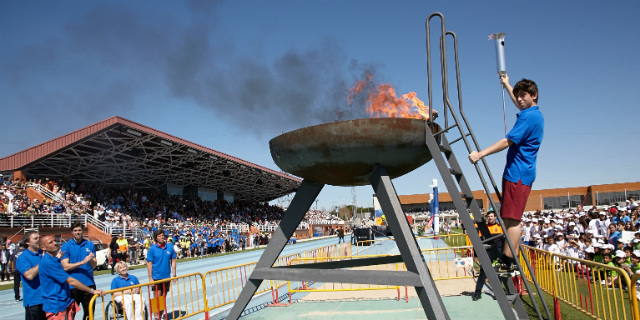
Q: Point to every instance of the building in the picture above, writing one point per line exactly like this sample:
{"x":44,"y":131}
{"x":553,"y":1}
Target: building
{"x":546,"y":199}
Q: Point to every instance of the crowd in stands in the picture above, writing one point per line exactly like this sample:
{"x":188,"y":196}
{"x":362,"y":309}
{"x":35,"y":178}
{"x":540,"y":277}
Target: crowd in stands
{"x":128,"y":208}
{"x":608,"y":235}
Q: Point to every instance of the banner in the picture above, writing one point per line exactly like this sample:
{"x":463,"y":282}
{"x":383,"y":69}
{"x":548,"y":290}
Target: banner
{"x":380,"y":218}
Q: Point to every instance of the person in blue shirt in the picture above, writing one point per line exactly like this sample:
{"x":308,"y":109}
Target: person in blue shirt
{"x":523,"y":142}
{"x":131,"y":300}
{"x":55,"y":283}
{"x":79,"y":260}
{"x":161,"y":263}
{"x":28,"y":265}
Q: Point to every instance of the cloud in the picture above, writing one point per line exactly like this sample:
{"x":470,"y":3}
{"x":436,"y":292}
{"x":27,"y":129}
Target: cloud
{"x":103,"y":62}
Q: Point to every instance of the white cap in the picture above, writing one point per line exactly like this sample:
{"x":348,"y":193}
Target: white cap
{"x":534,"y":220}
{"x":559,"y":227}
{"x":636,"y":253}
{"x":609,"y":246}
{"x":572,"y":223}
{"x":602,"y":213}
{"x":597,"y":245}
{"x":620,"y":254}
{"x":589,"y":250}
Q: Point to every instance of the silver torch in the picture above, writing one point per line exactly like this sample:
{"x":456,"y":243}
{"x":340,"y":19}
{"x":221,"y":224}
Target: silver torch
{"x":501,"y":63}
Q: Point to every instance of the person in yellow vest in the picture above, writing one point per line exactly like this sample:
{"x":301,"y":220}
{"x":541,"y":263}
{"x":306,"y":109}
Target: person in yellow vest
{"x":123,"y":246}
{"x":146,"y":245}
{"x":494,"y":252}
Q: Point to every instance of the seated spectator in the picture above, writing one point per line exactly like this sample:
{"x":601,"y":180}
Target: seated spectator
{"x":132,"y":302}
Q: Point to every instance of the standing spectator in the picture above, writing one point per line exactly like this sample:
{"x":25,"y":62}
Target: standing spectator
{"x":133,"y":251}
{"x":55,"y":282}
{"x":523,"y":142}
{"x":340,"y":235}
{"x":113,"y":253}
{"x":28,"y":264}
{"x":4,"y":262}
{"x":79,"y":260}
{"x":161,"y":264}
{"x":123,"y":246}
{"x":14,"y":268}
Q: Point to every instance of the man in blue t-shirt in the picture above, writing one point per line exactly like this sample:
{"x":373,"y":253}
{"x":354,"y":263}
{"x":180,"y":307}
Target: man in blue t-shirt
{"x":161,"y":263}
{"x":79,"y":260}
{"x":55,"y":283}
{"x":523,"y":142}
{"x":27,"y":264}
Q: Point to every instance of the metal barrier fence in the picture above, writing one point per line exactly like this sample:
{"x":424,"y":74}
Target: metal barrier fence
{"x":387,"y":246}
{"x":185,"y":297}
{"x":598,"y":290}
{"x":297,"y":286}
{"x":224,"y":285}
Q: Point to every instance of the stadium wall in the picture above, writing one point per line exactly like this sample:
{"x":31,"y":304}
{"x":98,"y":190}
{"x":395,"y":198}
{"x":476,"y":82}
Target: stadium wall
{"x":590,"y":195}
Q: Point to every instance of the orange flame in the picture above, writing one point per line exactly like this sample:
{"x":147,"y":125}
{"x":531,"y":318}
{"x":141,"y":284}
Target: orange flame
{"x":383,"y":102}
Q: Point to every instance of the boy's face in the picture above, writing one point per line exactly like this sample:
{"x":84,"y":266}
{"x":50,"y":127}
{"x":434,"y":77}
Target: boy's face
{"x":525,"y":100}
{"x":607,"y":259}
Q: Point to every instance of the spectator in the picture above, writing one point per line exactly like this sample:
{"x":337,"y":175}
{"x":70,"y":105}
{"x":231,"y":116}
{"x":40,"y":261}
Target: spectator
{"x":123,"y":246}
{"x":79,"y":260}
{"x":161,"y":264}
{"x":131,"y":300}
{"x":4,"y":262}
{"x":55,"y":282}
{"x":28,"y":264}
{"x":113,"y":253}
{"x":14,"y":267}
{"x":133,"y":251}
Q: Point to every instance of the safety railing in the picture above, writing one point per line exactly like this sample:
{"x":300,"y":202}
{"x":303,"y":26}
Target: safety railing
{"x":40,"y":220}
{"x":598,"y":290}
{"x":302,"y":286}
{"x":224,"y":285}
{"x":388,"y":246}
{"x":330,"y":251}
{"x":45,"y":192}
{"x":174,"y":298}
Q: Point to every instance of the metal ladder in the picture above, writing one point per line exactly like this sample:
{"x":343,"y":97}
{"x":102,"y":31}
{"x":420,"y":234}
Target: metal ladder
{"x":461,"y":194}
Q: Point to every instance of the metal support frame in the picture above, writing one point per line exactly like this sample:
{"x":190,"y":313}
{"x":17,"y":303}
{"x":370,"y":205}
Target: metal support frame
{"x":417,"y":274}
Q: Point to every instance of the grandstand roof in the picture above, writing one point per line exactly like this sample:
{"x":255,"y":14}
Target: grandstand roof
{"x":119,"y":152}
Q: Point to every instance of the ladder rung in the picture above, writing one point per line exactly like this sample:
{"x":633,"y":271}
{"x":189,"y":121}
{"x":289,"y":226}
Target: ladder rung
{"x":497,"y":236}
{"x":446,"y":149}
{"x":444,"y":130}
{"x":512,"y":297}
{"x":458,"y":139}
{"x":455,"y":172}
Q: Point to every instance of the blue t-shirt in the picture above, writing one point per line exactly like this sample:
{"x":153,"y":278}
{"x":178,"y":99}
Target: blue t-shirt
{"x":76,"y":252}
{"x":120,"y":282}
{"x":526,"y":136}
{"x":56,"y":292}
{"x":161,"y":259}
{"x":31,"y":290}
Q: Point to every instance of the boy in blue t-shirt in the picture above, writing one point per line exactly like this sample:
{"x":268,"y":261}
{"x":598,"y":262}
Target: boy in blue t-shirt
{"x":523,"y":142}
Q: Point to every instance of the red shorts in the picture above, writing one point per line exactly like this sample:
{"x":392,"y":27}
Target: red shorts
{"x":514,"y":199}
{"x":67,"y":314}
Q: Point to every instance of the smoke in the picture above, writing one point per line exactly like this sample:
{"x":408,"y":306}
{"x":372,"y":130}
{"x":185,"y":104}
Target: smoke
{"x":108,"y":59}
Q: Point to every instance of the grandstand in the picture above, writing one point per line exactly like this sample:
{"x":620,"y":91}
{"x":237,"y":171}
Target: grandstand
{"x":119,"y":154}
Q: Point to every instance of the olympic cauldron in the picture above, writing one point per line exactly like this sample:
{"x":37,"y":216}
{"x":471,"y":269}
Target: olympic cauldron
{"x":345,"y":153}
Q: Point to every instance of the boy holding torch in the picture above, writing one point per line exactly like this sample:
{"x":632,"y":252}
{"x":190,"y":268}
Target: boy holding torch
{"x":523,"y":142}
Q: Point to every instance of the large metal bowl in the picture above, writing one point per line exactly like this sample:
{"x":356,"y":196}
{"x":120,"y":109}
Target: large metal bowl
{"x":345,"y":153}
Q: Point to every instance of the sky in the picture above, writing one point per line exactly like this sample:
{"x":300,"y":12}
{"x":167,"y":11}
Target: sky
{"x":231,"y":75}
